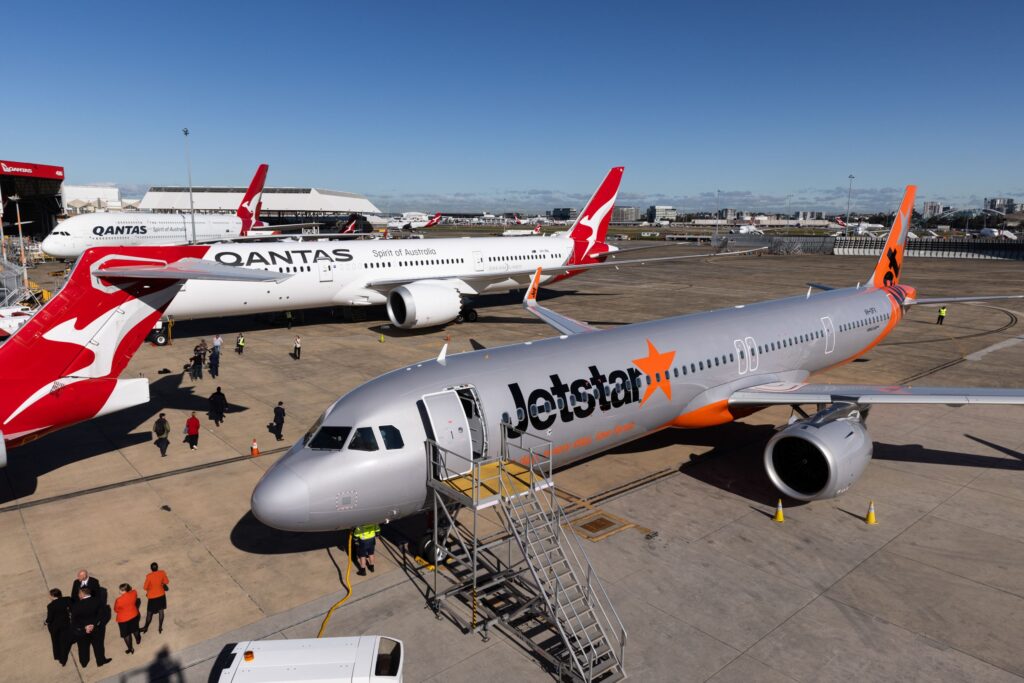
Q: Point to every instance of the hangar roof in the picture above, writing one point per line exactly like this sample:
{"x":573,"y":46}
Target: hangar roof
{"x":287,"y":200}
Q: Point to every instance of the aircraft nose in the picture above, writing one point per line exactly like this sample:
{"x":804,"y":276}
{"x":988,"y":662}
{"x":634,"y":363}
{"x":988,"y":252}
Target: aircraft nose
{"x":281,"y":500}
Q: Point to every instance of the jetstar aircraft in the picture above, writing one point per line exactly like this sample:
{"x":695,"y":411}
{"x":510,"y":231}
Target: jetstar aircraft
{"x":590,"y":390}
{"x":106,"y":229}
{"x":424,"y":283}
{"x":62,"y":366}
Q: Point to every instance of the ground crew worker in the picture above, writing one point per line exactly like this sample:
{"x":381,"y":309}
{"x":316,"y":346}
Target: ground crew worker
{"x":156,"y":587}
{"x":162,"y":430}
{"x":365,"y":538}
{"x":942,"y":315}
{"x":240,"y":344}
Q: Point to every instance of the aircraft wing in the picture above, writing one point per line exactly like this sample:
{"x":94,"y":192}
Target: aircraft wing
{"x":496,"y":276}
{"x":793,"y":393}
{"x":190,"y":269}
{"x":960,"y":299}
{"x":562,"y":323}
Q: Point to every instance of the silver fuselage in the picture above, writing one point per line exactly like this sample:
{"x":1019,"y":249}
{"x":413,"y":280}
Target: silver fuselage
{"x":602,"y":389}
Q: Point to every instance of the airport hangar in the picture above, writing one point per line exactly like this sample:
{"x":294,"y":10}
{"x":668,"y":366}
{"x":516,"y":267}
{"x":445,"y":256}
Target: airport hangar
{"x":279,"y":205}
{"x":38,"y":187}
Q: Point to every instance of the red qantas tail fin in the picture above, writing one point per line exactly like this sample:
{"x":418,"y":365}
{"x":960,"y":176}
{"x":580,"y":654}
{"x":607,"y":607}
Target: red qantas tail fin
{"x":249,"y":209}
{"x":887,"y":271}
{"x":434,"y":220}
{"x":591,"y":226}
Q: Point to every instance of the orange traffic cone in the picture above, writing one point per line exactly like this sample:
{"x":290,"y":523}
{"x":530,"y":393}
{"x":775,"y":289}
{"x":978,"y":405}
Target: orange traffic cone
{"x":870,"y":518}
{"x":779,"y":517}
{"x":254,"y":450}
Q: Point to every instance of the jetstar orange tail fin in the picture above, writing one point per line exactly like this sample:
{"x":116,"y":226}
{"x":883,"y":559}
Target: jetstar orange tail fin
{"x":887,"y":272}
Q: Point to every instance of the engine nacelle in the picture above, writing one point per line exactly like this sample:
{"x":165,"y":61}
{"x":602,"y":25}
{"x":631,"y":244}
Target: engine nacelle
{"x":818,"y":458}
{"x":423,"y":304}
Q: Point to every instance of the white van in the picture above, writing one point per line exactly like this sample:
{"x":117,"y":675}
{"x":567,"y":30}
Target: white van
{"x":364,"y":659}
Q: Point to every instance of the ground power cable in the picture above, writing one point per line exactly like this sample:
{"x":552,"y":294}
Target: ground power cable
{"x":348,"y":590}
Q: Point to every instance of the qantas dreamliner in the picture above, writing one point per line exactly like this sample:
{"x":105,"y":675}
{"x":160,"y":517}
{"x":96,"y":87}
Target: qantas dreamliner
{"x":591,"y":390}
{"x":423,"y":284}
{"x":62,"y":366}
{"x":414,"y":220}
{"x":133,"y":228}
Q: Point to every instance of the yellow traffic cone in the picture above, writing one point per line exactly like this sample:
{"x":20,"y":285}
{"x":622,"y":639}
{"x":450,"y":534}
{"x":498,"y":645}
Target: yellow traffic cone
{"x":779,"y":517}
{"x":870,"y":518}
{"x":254,"y":450}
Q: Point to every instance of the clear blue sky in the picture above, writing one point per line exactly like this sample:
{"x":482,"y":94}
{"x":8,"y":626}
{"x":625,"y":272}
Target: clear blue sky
{"x":518,"y":105}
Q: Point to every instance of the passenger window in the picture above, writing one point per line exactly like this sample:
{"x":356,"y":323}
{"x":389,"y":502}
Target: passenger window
{"x":363,"y":440}
{"x":701,"y":365}
{"x":329,"y":438}
{"x":533,"y":410}
{"x":393,"y":438}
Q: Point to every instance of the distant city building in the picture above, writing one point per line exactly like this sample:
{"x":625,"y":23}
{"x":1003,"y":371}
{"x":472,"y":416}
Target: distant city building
{"x":931,"y":209}
{"x":1001,"y":204}
{"x":625,"y":214}
{"x":727,"y":214}
{"x":564,"y":214}
{"x":661,"y":213}
{"x":810,"y":215}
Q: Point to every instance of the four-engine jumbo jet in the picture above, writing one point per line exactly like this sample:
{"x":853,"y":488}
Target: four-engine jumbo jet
{"x":62,"y":366}
{"x":591,"y":390}
{"x":424,"y":284}
{"x":134,"y":228}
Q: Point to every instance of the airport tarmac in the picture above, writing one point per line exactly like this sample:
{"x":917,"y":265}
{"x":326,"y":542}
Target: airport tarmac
{"x":719,"y":592}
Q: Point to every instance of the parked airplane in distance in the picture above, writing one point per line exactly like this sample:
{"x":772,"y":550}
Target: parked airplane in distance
{"x":997,"y":233}
{"x":62,"y":365}
{"x":414,"y":220}
{"x":512,"y":232}
{"x":588,"y":391}
{"x":134,"y":228}
{"x":423,"y":284}
{"x":858,"y":229}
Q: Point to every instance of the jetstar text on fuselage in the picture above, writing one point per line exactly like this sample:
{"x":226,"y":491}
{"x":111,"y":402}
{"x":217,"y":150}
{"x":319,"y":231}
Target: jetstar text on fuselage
{"x":578,"y":398}
{"x":276,"y":257}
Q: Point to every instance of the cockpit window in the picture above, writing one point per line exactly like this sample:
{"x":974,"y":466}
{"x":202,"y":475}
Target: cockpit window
{"x":363,"y":440}
{"x":312,"y":430}
{"x":330,"y":438}
{"x":392,"y":437}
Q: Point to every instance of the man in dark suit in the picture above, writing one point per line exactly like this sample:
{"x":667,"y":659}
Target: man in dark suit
{"x":87,"y":620}
{"x":58,"y":623}
{"x":83,"y":580}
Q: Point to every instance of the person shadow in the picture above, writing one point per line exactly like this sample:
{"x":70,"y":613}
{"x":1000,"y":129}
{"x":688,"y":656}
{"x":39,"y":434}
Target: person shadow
{"x":163,"y":669}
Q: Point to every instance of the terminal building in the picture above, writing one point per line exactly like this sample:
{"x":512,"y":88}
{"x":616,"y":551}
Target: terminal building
{"x":278,"y":205}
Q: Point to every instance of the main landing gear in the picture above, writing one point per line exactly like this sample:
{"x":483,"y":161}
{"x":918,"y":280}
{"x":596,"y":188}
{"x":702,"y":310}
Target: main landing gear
{"x":466,"y":315}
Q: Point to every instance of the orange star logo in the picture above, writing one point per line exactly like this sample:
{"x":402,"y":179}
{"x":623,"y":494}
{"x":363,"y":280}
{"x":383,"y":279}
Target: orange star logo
{"x":656,"y":366}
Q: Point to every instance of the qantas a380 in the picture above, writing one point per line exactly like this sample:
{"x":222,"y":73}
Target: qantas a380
{"x":423,"y":283}
{"x":590,"y":390}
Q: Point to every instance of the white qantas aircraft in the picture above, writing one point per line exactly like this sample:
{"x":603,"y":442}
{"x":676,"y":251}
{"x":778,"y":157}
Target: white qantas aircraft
{"x":133,"y":228}
{"x":512,"y":232}
{"x":997,"y":233}
{"x":423,"y":284}
{"x":414,"y":220}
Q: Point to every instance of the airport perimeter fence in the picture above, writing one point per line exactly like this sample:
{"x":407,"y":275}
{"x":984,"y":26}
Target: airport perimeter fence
{"x":934,"y":248}
{"x":783,"y":244}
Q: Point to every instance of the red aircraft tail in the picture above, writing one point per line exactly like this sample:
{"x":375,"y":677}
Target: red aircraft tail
{"x":249,"y":209}
{"x":434,"y":220}
{"x":591,"y":226}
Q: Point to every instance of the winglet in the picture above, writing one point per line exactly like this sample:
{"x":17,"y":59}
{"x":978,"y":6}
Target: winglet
{"x":442,"y":357}
{"x":887,"y":271}
{"x":530,"y":300}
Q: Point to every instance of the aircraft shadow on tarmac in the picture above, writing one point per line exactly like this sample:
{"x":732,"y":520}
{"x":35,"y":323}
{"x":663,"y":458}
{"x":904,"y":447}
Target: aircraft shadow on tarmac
{"x":103,"y":434}
{"x":250,"y":535}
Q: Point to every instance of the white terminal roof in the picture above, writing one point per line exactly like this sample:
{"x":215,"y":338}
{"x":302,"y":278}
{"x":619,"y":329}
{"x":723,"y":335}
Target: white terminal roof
{"x":275,"y":199}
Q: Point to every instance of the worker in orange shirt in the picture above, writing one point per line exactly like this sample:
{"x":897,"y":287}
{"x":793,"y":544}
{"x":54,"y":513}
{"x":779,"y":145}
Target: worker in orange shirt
{"x":156,"y":596}
{"x":126,"y":607}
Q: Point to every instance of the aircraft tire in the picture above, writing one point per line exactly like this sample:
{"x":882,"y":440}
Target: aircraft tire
{"x":471,"y":315}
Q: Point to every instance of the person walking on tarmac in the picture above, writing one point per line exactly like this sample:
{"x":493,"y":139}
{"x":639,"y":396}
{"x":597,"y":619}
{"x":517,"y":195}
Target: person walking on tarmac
{"x":156,"y":587}
{"x":215,"y":362}
{"x":162,"y":430}
{"x":126,"y":607}
{"x":278,"y":423}
{"x":192,"y":432}
{"x":297,"y":351}
{"x":942,"y":315}
{"x":218,"y":406}
{"x":240,"y":343}
{"x":365,"y":538}
{"x":58,"y":623}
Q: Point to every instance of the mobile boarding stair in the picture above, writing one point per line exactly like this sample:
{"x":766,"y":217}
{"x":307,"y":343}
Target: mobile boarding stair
{"x":531,"y":579}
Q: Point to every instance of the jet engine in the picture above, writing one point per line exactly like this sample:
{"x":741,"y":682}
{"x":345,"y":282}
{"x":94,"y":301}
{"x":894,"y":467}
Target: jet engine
{"x":819,"y":457}
{"x":423,"y":304}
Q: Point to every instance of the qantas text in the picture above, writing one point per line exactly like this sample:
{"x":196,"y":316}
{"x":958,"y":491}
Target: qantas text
{"x":99,"y":230}
{"x":282,"y":256}
{"x":619,"y":388}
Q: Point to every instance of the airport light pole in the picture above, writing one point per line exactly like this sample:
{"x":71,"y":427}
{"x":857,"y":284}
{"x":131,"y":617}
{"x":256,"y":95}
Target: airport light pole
{"x":849,"y":196}
{"x":191,"y":206}
{"x":718,"y":212}
{"x":21,"y":239}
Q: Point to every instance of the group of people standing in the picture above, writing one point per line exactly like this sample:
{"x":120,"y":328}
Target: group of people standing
{"x":82,"y":616}
{"x":205,"y":355}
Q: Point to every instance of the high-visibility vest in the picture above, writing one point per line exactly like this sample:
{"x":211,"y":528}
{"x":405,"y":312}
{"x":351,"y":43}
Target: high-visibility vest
{"x":942,"y":312}
{"x":366,"y":532}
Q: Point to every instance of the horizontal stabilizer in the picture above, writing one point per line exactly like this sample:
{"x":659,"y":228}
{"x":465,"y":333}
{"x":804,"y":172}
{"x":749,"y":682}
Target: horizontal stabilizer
{"x":960,"y":299}
{"x":824,"y":288}
{"x":792,"y":393}
{"x":190,"y":269}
